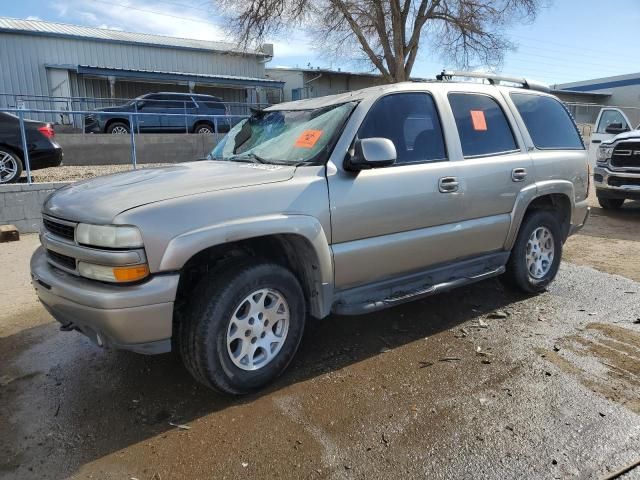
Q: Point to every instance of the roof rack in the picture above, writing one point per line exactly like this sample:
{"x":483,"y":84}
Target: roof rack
{"x":494,"y":79}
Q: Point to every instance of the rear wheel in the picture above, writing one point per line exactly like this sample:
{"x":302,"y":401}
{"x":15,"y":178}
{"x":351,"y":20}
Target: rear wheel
{"x":118,"y":128}
{"x":10,"y":166}
{"x":535,"y":257}
{"x":203,"y":128}
{"x":610,"y":203}
{"x":244,"y":326}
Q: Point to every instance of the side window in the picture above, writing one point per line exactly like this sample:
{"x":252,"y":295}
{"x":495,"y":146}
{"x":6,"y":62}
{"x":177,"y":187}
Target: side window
{"x":410,"y":121}
{"x":548,"y":122}
{"x":608,"y":117}
{"x":482,"y":125}
{"x":177,"y":102}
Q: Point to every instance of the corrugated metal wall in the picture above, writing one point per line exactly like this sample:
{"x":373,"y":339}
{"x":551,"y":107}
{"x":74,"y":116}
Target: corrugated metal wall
{"x":23,"y":59}
{"x":98,"y":88}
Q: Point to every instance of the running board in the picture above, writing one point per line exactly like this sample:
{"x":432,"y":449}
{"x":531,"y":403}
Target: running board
{"x":375,"y":305}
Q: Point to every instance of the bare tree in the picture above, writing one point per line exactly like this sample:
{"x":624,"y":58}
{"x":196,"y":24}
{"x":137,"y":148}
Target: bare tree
{"x":388,"y":33}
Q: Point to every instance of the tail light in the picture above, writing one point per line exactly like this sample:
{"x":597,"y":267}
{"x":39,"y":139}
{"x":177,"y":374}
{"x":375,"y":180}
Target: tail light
{"x":47,"y":130}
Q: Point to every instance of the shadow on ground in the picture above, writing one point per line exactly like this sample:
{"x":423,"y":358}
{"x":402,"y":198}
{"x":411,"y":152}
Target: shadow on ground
{"x":60,"y":393}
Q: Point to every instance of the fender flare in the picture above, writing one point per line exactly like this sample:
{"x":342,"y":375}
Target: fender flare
{"x":181,"y":248}
{"x":527,"y":195}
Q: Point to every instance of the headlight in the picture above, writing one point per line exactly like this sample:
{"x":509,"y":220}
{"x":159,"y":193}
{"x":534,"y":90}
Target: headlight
{"x":126,"y":274}
{"x":604,"y":153}
{"x":109,"y":236}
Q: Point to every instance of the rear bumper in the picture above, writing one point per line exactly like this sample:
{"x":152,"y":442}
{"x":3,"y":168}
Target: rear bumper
{"x":137,"y":317}
{"x":46,"y":158}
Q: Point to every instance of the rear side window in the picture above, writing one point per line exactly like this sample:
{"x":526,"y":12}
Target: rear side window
{"x":482,"y":125}
{"x":548,"y":122}
{"x":410,"y":121}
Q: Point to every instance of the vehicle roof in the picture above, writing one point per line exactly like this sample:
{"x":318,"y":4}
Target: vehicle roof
{"x":377,"y":91}
{"x":183,"y":93}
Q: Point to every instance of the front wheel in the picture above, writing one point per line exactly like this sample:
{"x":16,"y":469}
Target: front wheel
{"x":118,"y":128}
{"x":535,"y":257}
{"x":610,"y":203}
{"x":244,"y":326}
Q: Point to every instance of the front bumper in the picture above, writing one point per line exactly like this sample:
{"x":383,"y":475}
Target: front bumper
{"x":625,"y":185}
{"x":136,"y":317}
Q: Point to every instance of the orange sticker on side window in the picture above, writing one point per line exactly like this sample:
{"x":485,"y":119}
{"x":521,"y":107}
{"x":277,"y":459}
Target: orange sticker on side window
{"x":308,"y":138}
{"x":478,"y":120}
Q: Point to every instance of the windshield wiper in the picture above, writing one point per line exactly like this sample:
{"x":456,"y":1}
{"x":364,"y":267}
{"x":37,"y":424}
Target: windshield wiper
{"x":248,"y":157}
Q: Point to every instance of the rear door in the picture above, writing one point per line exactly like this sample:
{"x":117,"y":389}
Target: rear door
{"x":495,"y":165}
{"x":606,"y":117}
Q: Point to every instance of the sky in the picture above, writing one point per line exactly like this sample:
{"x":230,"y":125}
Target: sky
{"x":571,"y":40}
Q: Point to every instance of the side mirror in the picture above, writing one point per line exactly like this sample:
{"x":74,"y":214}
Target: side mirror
{"x":616,"y":128}
{"x":140,"y":104}
{"x":371,"y":153}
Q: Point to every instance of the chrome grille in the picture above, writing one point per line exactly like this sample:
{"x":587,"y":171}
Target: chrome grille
{"x":60,"y":229}
{"x":626,"y":155}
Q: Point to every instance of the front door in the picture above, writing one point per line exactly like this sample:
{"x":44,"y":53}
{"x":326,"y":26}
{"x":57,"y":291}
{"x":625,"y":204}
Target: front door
{"x":606,"y":117}
{"x":390,"y":221}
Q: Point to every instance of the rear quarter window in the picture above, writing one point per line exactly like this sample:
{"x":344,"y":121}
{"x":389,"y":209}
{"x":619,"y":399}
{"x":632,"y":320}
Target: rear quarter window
{"x":482,"y":125}
{"x":548,"y":121}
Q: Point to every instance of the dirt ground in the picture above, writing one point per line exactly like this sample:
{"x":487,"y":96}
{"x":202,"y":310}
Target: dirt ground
{"x":609,"y":241}
{"x":475,"y":383}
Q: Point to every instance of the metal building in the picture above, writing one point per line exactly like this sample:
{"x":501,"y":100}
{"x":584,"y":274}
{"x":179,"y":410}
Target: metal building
{"x":52,"y":59}
{"x":587,"y":97}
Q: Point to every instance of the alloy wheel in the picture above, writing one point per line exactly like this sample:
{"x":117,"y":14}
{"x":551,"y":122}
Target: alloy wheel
{"x":258,"y":329}
{"x":8,"y":167}
{"x":540,"y":252}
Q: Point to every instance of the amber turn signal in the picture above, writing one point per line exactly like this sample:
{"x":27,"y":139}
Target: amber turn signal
{"x":131,"y":273}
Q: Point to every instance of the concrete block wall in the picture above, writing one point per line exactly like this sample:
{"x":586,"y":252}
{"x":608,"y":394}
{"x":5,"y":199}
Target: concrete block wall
{"x":103,"y":149}
{"x":21,"y":204}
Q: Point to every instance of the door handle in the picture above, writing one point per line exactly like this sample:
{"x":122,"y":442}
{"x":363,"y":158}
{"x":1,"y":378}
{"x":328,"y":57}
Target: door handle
{"x":448,"y":184}
{"x":596,"y":141}
{"x":518,"y":174}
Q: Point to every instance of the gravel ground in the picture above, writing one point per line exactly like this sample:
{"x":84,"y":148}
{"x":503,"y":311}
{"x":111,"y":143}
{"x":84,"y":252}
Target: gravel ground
{"x":73,"y":173}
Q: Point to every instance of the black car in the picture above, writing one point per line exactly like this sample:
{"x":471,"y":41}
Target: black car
{"x":191,"y":112}
{"x":43,"y":150}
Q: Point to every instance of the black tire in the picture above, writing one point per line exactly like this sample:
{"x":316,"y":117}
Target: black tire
{"x":610,"y":203}
{"x":9,"y":159}
{"x":517,"y":274}
{"x":202,"y":126}
{"x":118,"y":128}
{"x":203,"y":333}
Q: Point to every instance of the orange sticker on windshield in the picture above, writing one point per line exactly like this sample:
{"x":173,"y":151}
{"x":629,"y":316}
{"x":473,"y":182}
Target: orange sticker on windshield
{"x":308,"y":138}
{"x":478,"y":120}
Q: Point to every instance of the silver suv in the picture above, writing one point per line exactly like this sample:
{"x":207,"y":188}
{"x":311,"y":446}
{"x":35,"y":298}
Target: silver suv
{"x":345,"y":204}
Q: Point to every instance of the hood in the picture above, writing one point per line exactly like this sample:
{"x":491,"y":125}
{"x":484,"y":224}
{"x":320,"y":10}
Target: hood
{"x":100,"y":199}
{"x":632,"y":134}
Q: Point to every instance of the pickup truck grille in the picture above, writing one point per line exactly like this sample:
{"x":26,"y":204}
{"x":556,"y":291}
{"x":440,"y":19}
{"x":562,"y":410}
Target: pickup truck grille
{"x":60,"y":229}
{"x":62,"y":260}
{"x":626,"y":155}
